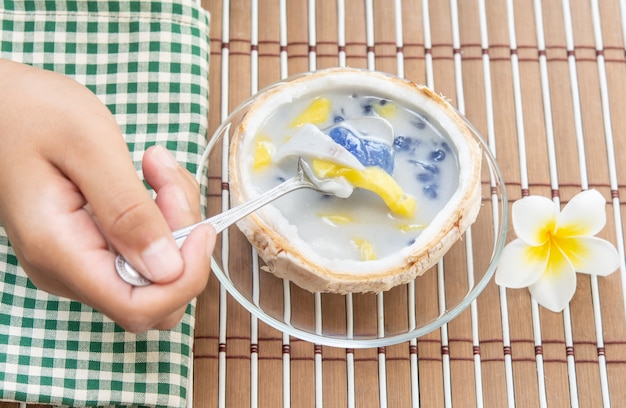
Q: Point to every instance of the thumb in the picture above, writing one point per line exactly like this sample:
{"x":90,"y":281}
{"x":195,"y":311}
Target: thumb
{"x":124,"y":210}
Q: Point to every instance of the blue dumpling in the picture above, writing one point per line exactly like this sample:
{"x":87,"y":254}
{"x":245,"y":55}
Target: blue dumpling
{"x":368,"y":152}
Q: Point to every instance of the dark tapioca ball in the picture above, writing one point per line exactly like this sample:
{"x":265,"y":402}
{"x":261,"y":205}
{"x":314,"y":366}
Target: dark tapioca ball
{"x":367,"y":109}
{"x":383,"y":102}
{"x":402,"y":143}
{"x":446,"y":147}
{"x":411,"y":242}
{"x":338,"y":119}
{"x":425,"y":177}
{"x":431,"y":191}
{"x":437,"y":155}
{"x":419,"y":123}
{"x":281,"y":179}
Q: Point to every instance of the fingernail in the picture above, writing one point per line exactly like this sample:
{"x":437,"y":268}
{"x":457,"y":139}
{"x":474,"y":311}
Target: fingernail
{"x":165,"y":157}
{"x":162,"y":259}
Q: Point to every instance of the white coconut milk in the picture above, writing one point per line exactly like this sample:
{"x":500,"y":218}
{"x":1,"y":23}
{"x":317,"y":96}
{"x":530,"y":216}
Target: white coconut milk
{"x":425,"y":166}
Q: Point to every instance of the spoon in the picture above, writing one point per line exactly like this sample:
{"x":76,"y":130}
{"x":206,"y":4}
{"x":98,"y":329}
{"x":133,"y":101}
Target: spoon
{"x":312,"y":143}
{"x":304,"y":178}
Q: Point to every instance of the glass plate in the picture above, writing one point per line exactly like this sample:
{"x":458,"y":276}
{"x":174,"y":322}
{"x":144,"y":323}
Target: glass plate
{"x":363,"y":320}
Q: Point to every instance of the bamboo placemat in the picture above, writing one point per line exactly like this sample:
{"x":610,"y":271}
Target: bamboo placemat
{"x":543,"y":83}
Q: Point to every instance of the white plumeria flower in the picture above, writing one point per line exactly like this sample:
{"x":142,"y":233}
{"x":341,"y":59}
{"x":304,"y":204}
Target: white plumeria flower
{"x":551,"y":246}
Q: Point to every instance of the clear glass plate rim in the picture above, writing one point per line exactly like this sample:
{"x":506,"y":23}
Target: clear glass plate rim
{"x":443,"y":318}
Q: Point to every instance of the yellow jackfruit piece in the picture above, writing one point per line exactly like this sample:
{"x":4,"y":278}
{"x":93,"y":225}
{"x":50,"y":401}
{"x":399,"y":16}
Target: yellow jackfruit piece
{"x":263,"y":150}
{"x":317,"y":112}
{"x":385,"y":110}
{"x":366,"y":249}
{"x":411,"y":227}
{"x":374,"y":179}
{"x":336,"y":219}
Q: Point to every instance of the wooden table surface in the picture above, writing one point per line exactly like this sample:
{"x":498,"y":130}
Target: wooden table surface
{"x":544,"y":83}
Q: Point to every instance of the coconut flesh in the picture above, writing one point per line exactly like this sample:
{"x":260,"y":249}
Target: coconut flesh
{"x":420,"y":190}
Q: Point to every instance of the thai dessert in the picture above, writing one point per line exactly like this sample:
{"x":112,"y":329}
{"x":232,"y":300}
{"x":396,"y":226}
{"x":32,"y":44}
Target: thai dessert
{"x":414,"y":174}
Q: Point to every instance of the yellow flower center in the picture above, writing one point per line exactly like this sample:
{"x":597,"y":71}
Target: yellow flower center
{"x":567,"y":247}
{"x":557,"y":249}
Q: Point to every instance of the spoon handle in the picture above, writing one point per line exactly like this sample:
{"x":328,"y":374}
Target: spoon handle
{"x":225,"y":219}
{"x":220,"y":222}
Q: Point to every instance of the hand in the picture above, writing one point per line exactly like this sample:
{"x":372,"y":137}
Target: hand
{"x":69,"y":193}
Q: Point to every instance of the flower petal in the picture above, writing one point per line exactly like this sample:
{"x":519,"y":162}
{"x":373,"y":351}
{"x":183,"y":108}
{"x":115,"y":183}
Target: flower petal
{"x":533,"y":217}
{"x":554,"y":291}
{"x":592,"y":255}
{"x":584,"y":215}
{"x":520,"y":265}
{"x":557,"y":285}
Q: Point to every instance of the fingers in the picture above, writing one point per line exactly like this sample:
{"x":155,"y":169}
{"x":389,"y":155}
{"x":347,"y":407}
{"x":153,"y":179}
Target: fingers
{"x":177,"y":196}
{"x":89,"y":269}
{"x":70,"y":192}
{"x":172,"y":299}
{"x":128,"y":216}
{"x":177,"y":190}
{"x":157,"y":305}
{"x":62,"y":122}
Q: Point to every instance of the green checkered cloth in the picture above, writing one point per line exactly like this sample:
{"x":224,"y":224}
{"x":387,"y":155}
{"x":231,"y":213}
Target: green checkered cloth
{"x":148,"y":62}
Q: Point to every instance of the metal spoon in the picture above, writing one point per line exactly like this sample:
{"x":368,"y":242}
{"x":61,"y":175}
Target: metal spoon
{"x":304,"y":178}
